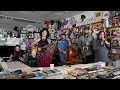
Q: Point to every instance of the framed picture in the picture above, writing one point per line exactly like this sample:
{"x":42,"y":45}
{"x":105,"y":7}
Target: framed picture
{"x":98,"y":16}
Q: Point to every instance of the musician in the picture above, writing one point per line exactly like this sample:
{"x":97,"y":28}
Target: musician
{"x":78,"y":48}
{"x":86,"y":40}
{"x":77,"y":39}
{"x":62,"y":46}
{"x":45,"y":59}
{"x":101,"y":48}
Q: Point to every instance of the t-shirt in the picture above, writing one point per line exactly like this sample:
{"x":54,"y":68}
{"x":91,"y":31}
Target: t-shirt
{"x":90,"y":39}
{"x":62,"y":45}
{"x":101,"y":51}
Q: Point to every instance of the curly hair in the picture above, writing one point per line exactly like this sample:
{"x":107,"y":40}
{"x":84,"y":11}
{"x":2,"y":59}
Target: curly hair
{"x":100,"y":34}
{"x":45,"y":29}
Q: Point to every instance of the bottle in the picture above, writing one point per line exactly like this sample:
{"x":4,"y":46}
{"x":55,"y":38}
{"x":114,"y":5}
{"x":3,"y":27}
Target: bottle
{"x":106,"y":23}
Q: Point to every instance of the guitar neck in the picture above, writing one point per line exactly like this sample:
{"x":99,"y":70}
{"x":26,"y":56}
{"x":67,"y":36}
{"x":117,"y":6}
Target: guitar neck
{"x":47,"y":45}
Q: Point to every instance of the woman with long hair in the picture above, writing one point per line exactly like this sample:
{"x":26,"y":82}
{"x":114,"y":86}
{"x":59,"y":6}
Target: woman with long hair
{"x":17,"y":54}
{"x":44,"y":59}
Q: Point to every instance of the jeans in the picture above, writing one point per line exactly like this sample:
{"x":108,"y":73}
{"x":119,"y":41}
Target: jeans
{"x":62,"y":58}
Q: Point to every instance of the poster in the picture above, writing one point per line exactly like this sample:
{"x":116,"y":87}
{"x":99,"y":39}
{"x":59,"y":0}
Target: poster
{"x":98,"y":16}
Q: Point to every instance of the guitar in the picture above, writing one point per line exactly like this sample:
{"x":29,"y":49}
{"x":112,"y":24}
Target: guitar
{"x":41,"y":49}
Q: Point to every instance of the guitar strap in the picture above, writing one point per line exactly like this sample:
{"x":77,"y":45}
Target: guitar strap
{"x":43,"y":49}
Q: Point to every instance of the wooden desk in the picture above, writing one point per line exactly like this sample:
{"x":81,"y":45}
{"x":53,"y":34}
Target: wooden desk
{"x":16,"y":65}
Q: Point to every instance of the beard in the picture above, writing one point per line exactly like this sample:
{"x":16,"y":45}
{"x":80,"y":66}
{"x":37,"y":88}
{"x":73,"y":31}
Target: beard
{"x":62,"y":39}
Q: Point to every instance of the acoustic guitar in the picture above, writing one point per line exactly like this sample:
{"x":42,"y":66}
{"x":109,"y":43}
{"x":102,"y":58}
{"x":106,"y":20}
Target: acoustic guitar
{"x":41,"y":49}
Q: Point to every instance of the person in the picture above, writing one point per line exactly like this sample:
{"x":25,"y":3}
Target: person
{"x":85,"y":44}
{"x":44,"y":59}
{"x":78,"y":48}
{"x":17,"y":55}
{"x":62,"y":47}
{"x":101,"y":48}
{"x":55,"y":56}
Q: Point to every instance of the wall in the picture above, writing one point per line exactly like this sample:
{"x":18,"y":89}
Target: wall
{"x":90,"y":15}
{"x":8,"y":25}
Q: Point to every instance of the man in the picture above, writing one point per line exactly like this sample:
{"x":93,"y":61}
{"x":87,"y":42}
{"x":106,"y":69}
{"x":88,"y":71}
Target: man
{"x":85,"y":44}
{"x":62,"y":46}
{"x":101,"y":48}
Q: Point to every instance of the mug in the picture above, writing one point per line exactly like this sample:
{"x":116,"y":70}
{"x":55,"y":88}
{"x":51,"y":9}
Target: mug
{"x":51,"y":66}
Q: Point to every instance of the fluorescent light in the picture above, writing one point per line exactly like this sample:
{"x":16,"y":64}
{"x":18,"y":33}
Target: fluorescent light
{"x":22,"y":19}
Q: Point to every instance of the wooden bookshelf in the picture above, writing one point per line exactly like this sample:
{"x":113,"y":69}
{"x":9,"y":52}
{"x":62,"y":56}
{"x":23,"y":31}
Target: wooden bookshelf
{"x":116,"y":47}
{"x":112,"y":27}
{"x":115,"y":36}
{"x":96,"y":22}
{"x":117,"y":17}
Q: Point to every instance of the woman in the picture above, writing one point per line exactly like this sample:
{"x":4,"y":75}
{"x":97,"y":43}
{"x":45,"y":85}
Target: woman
{"x":43,"y":60}
{"x":101,"y":48}
{"x":17,"y":54}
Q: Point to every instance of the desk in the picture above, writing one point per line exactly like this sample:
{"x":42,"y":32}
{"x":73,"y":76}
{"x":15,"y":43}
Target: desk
{"x":16,"y":65}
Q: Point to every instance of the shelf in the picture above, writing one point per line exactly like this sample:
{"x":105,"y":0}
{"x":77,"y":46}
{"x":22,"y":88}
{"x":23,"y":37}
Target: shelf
{"x":96,"y":22}
{"x":83,"y":25}
{"x":115,"y":36}
{"x":112,"y":27}
{"x":23,"y":33}
{"x":99,"y":30}
{"x":115,"y":17}
{"x":116,"y":47}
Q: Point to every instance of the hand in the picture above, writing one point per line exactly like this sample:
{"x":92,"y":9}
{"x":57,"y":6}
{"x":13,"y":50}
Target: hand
{"x":21,"y":59}
{"x":64,"y":52}
{"x":9,"y":60}
{"x":87,"y":43}
{"x":39,"y":49}
{"x":68,"y":39}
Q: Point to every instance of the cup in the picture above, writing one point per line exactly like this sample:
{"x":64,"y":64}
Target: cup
{"x":41,"y":69}
{"x":51,"y":66}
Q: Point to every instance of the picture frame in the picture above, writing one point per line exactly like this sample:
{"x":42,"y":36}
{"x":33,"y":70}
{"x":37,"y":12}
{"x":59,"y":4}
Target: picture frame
{"x":98,"y":16}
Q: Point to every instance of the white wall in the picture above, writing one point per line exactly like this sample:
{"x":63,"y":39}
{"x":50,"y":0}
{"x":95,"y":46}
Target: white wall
{"x":89,"y":15}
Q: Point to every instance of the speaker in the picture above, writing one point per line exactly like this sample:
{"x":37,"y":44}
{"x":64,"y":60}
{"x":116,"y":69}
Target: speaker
{"x":15,"y":28}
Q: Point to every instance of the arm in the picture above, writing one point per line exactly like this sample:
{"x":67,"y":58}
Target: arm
{"x":60,"y":48}
{"x":96,"y":45}
{"x":11,"y":57}
{"x":107,"y":45}
{"x":80,"y":44}
{"x":68,"y":42}
{"x":49,"y":41}
{"x":36,"y":41}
